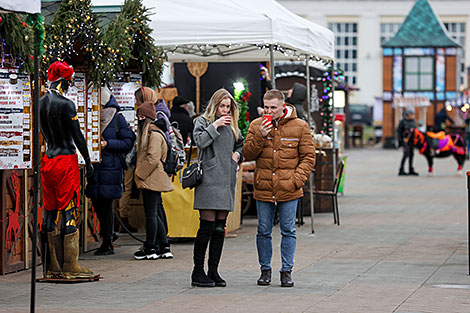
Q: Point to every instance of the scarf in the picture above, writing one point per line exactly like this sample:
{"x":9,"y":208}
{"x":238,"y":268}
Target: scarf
{"x":106,"y":117}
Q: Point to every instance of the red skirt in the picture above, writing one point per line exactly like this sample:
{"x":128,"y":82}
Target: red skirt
{"x":60,"y":179}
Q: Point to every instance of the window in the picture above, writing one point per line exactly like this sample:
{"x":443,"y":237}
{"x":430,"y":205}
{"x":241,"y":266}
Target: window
{"x":419,"y":73}
{"x":457,"y":32}
{"x":388,"y":31}
{"x":346,"y":49}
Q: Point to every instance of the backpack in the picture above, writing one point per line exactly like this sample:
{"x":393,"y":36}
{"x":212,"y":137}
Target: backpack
{"x":170,"y":165}
{"x":176,"y":142}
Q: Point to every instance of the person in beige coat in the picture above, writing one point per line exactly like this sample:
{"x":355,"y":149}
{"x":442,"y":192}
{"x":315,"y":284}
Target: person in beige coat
{"x":151,"y":178}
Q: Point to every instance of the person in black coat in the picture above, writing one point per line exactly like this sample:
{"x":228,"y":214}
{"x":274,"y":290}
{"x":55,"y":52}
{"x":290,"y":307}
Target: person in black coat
{"x":106,"y":184}
{"x":403,"y":130}
{"x":180,"y":114}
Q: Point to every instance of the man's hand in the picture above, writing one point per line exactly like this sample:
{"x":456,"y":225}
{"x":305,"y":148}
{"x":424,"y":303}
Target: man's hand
{"x":104,"y":143}
{"x":88,"y":169}
{"x":265,"y":128}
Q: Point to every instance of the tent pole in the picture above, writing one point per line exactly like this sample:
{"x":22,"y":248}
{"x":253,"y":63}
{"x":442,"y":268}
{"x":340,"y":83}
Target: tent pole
{"x":271,"y":65}
{"x":309,"y":119}
{"x":332,"y":99}
{"x":36,"y":174}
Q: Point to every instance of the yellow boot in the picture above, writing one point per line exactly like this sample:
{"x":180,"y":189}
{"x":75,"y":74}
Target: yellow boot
{"x":54,"y":270}
{"x":71,"y":269}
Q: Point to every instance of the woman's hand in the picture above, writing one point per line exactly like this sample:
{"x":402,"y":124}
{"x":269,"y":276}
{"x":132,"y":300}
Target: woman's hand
{"x":236,"y":156}
{"x":104,"y":144}
{"x":223,"y":121}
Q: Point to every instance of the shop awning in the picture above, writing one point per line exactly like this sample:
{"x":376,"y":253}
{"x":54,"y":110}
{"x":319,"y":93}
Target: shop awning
{"x":413,"y":102}
{"x":25,"y":6}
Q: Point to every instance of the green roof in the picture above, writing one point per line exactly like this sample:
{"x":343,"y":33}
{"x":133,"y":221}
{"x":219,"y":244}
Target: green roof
{"x":421,"y":28}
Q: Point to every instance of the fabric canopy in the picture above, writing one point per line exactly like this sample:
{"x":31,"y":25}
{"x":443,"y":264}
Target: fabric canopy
{"x":235,"y":30}
{"x":26,"y":6}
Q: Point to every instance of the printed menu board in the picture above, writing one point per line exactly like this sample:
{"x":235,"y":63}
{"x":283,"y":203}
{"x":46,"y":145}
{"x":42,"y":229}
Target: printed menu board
{"x":15,"y":121}
{"x":77,"y":93}
{"x":93,"y":123}
{"x":123,"y":90}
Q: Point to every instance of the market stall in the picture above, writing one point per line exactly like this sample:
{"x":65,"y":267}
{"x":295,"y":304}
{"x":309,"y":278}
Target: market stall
{"x":236,"y":31}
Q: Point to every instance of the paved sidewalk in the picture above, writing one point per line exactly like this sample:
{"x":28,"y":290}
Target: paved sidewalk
{"x":401,"y":247}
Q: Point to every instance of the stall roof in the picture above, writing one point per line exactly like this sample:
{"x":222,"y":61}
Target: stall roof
{"x":233,"y":30}
{"x":421,"y":28}
{"x":241,"y":30}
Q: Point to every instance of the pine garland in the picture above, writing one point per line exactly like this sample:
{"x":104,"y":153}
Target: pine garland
{"x":143,"y":47}
{"x":16,"y":47}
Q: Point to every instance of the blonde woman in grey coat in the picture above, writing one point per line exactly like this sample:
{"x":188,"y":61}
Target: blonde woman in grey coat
{"x":220,"y":145}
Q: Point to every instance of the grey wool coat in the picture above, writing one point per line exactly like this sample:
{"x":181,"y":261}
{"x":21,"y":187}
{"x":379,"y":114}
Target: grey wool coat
{"x":219,"y":170}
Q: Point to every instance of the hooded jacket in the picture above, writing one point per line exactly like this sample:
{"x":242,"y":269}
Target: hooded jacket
{"x":284,"y":158}
{"x":149,"y":172}
{"x":298,"y":98}
{"x":107,"y":179}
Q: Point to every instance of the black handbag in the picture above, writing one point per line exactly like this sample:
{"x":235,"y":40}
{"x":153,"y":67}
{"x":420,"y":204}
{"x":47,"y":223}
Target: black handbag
{"x":192,"y":174}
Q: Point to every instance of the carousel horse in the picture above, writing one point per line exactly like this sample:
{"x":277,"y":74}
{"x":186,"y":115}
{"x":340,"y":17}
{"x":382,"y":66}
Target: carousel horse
{"x":438,"y":145}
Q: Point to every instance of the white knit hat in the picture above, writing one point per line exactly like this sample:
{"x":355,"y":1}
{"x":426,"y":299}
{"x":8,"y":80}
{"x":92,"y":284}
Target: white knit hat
{"x":105,"y":95}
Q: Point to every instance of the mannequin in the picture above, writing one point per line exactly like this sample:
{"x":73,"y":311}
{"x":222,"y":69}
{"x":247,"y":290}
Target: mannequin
{"x":60,"y":176}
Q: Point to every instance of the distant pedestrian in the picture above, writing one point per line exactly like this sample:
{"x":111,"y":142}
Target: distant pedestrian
{"x":285,"y":156}
{"x":440,"y":120}
{"x":180,"y":114}
{"x":151,"y":178}
{"x":403,"y":130}
{"x":106,"y":182}
{"x":220,"y":144}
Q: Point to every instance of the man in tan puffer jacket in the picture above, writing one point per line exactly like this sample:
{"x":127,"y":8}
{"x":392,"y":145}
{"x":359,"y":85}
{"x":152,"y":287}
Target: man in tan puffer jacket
{"x":285,"y":156}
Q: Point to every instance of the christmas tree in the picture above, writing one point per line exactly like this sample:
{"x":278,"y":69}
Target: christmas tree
{"x":242,"y":96}
{"x":17,"y":42}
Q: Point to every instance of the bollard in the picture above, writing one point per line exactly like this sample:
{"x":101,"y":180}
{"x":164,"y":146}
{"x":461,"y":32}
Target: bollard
{"x":468,"y":216}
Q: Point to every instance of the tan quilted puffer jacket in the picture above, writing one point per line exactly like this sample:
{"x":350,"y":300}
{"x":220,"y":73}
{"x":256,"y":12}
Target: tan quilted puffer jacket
{"x":284,"y":158}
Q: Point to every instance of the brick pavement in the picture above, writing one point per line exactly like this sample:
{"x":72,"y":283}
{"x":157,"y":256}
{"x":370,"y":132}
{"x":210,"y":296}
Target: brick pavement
{"x":401,"y":248}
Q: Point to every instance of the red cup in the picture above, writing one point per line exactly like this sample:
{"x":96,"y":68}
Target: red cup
{"x":267,"y":119}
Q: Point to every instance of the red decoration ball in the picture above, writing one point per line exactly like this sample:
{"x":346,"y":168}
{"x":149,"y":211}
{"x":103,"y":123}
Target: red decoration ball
{"x":1,"y":19}
{"x":24,"y":24}
{"x":31,"y":56}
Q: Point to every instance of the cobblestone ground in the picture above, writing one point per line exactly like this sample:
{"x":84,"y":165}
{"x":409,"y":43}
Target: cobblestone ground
{"x":401,"y":247}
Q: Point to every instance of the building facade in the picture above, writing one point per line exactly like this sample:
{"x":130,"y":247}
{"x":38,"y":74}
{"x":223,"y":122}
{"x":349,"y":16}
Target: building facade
{"x":361,"y":27}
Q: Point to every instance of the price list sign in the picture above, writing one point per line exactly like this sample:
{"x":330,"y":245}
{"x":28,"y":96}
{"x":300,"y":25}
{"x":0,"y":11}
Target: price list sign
{"x":123,"y":89}
{"x":93,"y":124}
{"x":15,"y":121}
{"x":77,"y":93}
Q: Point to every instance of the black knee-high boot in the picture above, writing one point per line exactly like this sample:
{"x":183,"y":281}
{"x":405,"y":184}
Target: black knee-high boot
{"x":199,"y":277}
{"x":215,"y":252}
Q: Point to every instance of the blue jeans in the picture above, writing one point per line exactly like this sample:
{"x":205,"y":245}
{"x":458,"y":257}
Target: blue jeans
{"x":287,"y":214}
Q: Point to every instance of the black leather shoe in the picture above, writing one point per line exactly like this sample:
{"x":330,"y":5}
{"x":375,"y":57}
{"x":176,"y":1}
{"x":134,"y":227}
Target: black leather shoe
{"x":265,"y":278}
{"x":286,"y":279}
{"x":402,"y":173}
{"x":413,"y":173}
{"x":214,"y":275}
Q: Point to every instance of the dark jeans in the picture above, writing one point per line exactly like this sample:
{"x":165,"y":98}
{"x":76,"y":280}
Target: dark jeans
{"x":155,"y":228}
{"x":104,"y":210}
{"x":407,"y":154}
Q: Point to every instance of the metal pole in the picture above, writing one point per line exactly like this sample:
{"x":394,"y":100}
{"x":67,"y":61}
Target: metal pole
{"x":333,"y":137}
{"x":271,"y":65}
{"x":36,"y":173}
{"x":309,"y":119}
{"x":468,"y":222}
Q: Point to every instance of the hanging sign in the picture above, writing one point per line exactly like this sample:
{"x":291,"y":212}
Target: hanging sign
{"x":93,"y":124}
{"x":15,"y":120}
{"x":123,"y":90}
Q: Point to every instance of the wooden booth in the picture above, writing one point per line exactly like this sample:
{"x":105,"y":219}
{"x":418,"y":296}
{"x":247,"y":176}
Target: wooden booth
{"x":419,"y":67}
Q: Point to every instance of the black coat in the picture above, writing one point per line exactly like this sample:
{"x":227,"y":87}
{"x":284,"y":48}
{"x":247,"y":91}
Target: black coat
{"x":107,"y":179}
{"x":185,"y":122}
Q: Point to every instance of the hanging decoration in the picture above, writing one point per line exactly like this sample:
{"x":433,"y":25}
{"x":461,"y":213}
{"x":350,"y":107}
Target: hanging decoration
{"x":36,"y":21}
{"x":242,"y":95}
{"x":326,"y":101}
{"x":141,"y":42}
{"x":16,"y":48}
